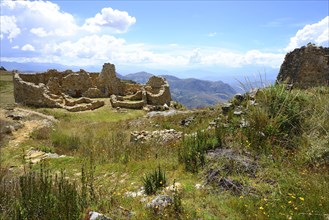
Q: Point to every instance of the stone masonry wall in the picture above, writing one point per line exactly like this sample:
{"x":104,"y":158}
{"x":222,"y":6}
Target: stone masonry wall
{"x":55,"y":89}
{"x":306,"y":67}
{"x":158,"y":92}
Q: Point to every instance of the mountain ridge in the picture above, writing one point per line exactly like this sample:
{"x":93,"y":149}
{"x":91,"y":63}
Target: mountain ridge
{"x":191,"y":92}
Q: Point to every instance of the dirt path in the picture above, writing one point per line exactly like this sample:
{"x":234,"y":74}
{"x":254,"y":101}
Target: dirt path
{"x":31,"y":120}
{"x":48,"y":117}
{"x":23,"y":134}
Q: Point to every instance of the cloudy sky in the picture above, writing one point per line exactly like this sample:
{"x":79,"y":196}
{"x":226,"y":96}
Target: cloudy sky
{"x":178,"y":37}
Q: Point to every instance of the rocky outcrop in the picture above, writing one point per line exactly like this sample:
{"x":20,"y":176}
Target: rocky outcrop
{"x":305,"y":67}
{"x":56,"y":89}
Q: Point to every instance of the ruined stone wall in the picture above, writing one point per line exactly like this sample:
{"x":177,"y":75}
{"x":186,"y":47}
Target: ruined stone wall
{"x":55,"y":89}
{"x":76,"y":84}
{"x":108,"y":83}
{"x":28,"y":93}
{"x":130,"y":88}
{"x":158,"y":92}
{"x":306,"y":67}
{"x":115,"y":102}
{"x":44,"y":77}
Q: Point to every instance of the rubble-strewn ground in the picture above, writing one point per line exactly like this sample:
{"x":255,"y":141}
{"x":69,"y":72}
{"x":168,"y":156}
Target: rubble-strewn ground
{"x":264,"y":156}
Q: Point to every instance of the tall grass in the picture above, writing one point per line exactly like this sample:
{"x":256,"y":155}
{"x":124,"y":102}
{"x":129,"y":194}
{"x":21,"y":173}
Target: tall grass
{"x":193,"y":149}
{"x":277,"y":120}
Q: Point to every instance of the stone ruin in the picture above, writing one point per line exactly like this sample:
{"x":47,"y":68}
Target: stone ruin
{"x":305,"y":67}
{"x":79,"y":91}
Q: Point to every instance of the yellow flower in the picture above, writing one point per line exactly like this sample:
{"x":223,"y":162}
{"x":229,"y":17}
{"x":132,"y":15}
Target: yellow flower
{"x":296,"y":208}
{"x":293,"y":197}
{"x":289,"y":202}
{"x":261,"y":208}
{"x":241,"y":197}
{"x":301,"y":198}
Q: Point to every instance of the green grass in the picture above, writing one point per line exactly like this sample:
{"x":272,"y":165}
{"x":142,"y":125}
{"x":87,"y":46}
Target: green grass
{"x":104,"y":114}
{"x":6,"y":89}
{"x":287,"y":137}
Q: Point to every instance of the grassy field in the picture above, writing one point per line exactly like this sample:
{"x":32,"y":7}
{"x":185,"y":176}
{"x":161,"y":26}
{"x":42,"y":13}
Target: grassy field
{"x":6,"y":89}
{"x":286,"y":141}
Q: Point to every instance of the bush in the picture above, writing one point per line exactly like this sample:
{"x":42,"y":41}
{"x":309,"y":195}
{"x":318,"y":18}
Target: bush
{"x":154,"y":181}
{"x":277,"y":120}
{"x":193,"y":149}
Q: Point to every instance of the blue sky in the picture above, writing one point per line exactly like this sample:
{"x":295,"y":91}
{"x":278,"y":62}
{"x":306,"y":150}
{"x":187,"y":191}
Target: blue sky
{"x":188,"y":38}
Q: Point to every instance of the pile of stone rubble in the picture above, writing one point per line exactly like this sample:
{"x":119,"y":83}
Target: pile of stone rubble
{"x":164,"y":136}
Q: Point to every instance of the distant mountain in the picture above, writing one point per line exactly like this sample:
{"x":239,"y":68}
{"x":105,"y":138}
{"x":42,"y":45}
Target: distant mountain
{"x":193,"y":93}
{"x":140,"y":77}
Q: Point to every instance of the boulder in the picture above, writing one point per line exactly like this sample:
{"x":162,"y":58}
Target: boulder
{"x":160,"y":202}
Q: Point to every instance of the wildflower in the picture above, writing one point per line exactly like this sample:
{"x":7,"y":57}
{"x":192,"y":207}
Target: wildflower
{"x":301,"y":198}
{"x":289,"y":202}
{"x":265,"y":199}
{"x":241,"y":197}
{"x":296,"y":208}
{"x":261,"y":208}
{"x":293,"y":197}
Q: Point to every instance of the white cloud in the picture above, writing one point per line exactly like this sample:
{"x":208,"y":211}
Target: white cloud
{"x":60,"y":39}
{"x":195,"y":57}
{"x":9,"y":27}
{"x":40,"y":32}
{"x":28,"y":47}
{"x":317,"y":33}
{"x":95,"y":50}
{"x":117,"y":21}
{"x":235,"y":59}
{"x":41,"y":18}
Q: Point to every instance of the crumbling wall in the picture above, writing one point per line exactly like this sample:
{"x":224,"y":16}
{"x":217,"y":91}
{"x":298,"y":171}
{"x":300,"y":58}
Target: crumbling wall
{"x":40,"y":95}
{"x":306,"y":67}
{"x":130,"y":88}
{"x":108,"y":83}
{"x":158,"y":92}
{"x":28,"y":93}
{"x":115,"y":102}
{"x":55,"y":89}
{"x":75,"y":84}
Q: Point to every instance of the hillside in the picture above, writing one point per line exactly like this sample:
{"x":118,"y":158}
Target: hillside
{"x":264,"y":156}
{"x":192,"y":93}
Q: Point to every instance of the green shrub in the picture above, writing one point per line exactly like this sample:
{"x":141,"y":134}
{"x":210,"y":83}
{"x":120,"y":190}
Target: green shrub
{"x":45,"y":149}
{"x":44,"y":197}
{"x":154,"y":181}
{"x":277,"y":120}
{"x":193,"y":149}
